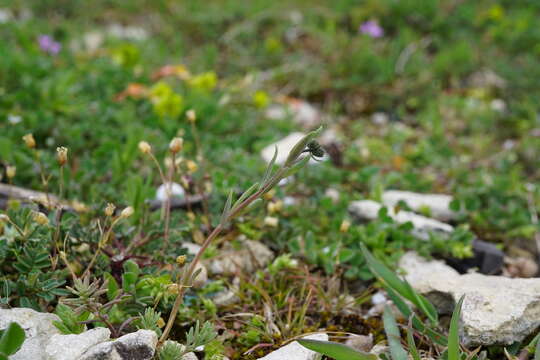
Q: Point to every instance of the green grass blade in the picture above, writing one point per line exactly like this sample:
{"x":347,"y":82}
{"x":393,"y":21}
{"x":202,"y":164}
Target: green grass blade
{"x":393,"y":335}
{"x":335,"y":350}
{"x":537,"y":349}
{"x":410,"y":341}
{"x":453,"y":333}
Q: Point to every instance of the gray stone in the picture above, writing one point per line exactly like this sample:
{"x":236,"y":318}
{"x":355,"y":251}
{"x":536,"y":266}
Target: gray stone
{"x":140,"y":345}
{"x":295,"y":351}
{"x":38,"y":328}
{"x":496,"y":310}
{"x":437,"y":204}
{"x":225,"y":297}
{"x":72,"y":346}
{"x":252,"y":256}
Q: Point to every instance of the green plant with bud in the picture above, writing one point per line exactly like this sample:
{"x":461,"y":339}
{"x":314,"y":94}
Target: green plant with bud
{"x":294,"y":162}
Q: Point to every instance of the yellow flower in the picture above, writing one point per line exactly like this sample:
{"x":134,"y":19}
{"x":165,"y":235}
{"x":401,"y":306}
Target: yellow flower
{"x":206,"y":81}
{"x":160,"y":90}
{"x":181,"y":260}
{"x":171,"y":105}
{"x":29,"y":141}
{"x":261,"y":99}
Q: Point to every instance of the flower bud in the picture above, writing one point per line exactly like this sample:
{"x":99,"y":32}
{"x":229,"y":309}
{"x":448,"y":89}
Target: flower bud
{"x":109,"y":210}
{"x":127,"y":212}
{"x":191,"y":166}
{"x":11,"y":171}
{"x":29,"y":141}
{"x":40,"y":218}
{"x":4,"y":217}
{"x":345,"y":225}
{"x":181,"y":260}
{"x":176,"y":145}
{"x":61,"y":155}
{"x":271,"y":221}
{"x":145,"y":147}
{"x":191,"y":115}
{"x":160,"y":323}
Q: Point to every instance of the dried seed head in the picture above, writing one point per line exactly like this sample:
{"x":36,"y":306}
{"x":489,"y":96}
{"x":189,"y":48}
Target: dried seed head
{"x":109,"y":210}
{"x":176,"y":145}
{"x":127,"y":212}
{"x":11,"y":171}
{"x":61,"y":155}
{"x":181,"y":260}
{"x":191,"y":115}
{"x":145,"y":147}
{"x":29,"y":141}
{"x":40,"y":218}
{"x":79,"y":206}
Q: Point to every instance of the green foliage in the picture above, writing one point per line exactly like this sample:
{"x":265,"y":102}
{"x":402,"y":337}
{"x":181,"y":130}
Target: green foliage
{"x":149,"y":320}
{"x":454,"y":352}
{"x":171,"y":350}
{"x":70,"y":322}
{"x":199,"y":335}
{"x":11,"y":339}
{"x":393,"y":335}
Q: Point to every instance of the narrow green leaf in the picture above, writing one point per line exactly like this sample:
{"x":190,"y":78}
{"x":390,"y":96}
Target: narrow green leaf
{"x":453,"y":333}
{"x":227,"y":208}
{"x":12,"y":339}
{"x":335,"y":350}
{"x":296,"y":166}
{"x":410,"y":341}
{"x":268,"y":170}
{"x":245,"y":195}
{"x":393,"y":335}
{"x":537,"y":349}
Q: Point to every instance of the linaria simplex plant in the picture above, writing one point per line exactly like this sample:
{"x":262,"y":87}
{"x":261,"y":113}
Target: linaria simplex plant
{"x":251,"y":196}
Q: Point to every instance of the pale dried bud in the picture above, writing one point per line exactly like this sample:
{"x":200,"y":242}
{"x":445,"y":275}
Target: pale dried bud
{"x":127,"y":212}
{"x":181,"y":260}
{"x":145,"y":147}
{"x":4,"y":217}
{"x":79,"y":206}
{"x":191,"y":166}
{"x":160,"y":323}
{"x":191,"y":115}
{"x":345,"y":225}
{"x":274,"y":207}
{"x":176,"y":145}
{"x":29,"y":141}
{"x":271,"y":221}
{"x":109,"y":210}
{"x":40,"y":218}
{"x":173,"y":288}
{"x":11,"y":171}
{"x":61,"y":155}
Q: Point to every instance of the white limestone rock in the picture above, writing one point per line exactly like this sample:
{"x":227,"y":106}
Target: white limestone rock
{"x":496,"y":310}
{"x":140,"y":345}
{"x":38,"y":328}
{"x":72,"y":346}
{"x":437,"y":204}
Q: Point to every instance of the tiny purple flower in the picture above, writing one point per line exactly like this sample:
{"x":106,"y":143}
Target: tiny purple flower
{"x":48,"y":45}
{"x":372,"y":28}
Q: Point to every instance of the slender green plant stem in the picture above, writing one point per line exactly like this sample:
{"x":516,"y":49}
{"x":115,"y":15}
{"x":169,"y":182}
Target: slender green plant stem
{"x":167,"y":204}
{"x":192,"y":266}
